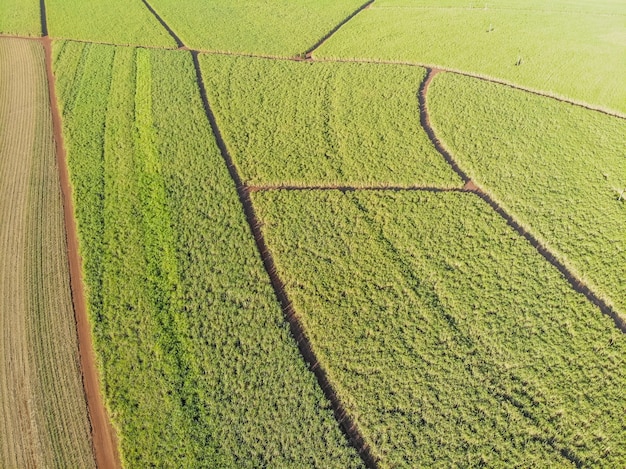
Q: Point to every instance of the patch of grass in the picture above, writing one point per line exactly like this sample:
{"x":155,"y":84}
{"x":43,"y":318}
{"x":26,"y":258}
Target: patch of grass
{"x":323,"y":123}
{"x":279,"y":27}
{"x":578,"y":55}
{"x":110,"y":21}
{"x":554,"y":166}
{"x":451,"y":341}
{"x":199,"y":367}
{"x":20,"y":17}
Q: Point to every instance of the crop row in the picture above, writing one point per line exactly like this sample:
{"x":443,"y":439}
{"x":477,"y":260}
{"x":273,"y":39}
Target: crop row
{"x":449,"y":339}
{"x":198,"y":365}
{"x":557,"y":168}
{"x":300,"y":123}
{"x":44,"y":419}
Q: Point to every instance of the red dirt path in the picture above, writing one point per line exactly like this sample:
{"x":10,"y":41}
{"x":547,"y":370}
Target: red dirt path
{"x":103,"y":435}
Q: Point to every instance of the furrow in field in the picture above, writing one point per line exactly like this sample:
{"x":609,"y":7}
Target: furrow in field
{"x":45,"y":422}
{"x":327,"y":36}
{"x":468,"y":187}
{"x":576,"y":283}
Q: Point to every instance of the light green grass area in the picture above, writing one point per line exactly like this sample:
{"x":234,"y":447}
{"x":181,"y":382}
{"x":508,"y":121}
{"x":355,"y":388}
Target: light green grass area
{"x":451,"y":341}
{"x":20,"y":17}
{"x":556,"y":167}
{"x":322,"y":123}
{"x":110,"y":21}
{"x":578,"y":56}
{"x":198,"y":365}
{"x":277,"y":27}
{"x":603,"y":7}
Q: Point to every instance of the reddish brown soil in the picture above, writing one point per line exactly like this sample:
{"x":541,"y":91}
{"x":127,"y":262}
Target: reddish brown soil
{"x":103,"y":434}
{"x":331,"y":187}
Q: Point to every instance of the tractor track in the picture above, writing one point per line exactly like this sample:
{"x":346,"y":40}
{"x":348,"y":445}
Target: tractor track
{"x":104,"y":440}
{"x":577,"y":284}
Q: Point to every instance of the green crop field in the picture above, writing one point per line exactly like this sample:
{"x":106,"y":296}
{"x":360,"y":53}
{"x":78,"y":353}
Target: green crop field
{"x":557,"y":167}
{"x":328,"y":234}
{"x":581,"y":56}
{"x":277,"y":27}
{"x":110,"y":21}
{"x":198,"y":364}
{"x":20,"y":17}
{"x":451,"y":340}
{"x":344,"y":124}
{"x":43,"y":413}
{"x":608,"y":7}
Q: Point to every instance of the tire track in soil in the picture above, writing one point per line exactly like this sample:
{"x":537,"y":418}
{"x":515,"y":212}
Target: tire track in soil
{"x":345,"y":421}
{"x":269,"y":188}
{"x":103,"y":436}
{"x":577,"y":284}
{"x":308,"y":53}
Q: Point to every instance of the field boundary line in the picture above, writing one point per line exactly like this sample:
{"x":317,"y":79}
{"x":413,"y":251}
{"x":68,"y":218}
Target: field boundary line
{"x":345,"y":421}
{"x":103,"y":436}
{"x":308,"y":53}
{"x":478,"y":76}
{"x":545,"y":94}
{"x":170,"y":31}
{"x":576,"y":283}
{"x":346,"y":188}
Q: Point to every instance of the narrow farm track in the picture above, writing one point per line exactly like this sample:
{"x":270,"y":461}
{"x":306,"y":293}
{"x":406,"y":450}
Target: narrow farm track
{"x":576,"y":283}
{"x":310,"y":58}
{"x":44,"y":414}
{"x":312,"y":49}
{"x":465,"y":188}
{"x":102,"y":432}
{"x":346,"y":423}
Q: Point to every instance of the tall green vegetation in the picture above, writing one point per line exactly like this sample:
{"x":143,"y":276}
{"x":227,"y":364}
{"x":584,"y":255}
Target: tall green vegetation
{"x":615,"y":7}
{"x":109,"y":21}
{"x":450,"y":340}
{"x":580,"y":56}
{"x":199,"y":366}
{"x":279,"y":27}
{"x":300,"y":123}
{"x":556,"y":167}
{"x":20,"y":17}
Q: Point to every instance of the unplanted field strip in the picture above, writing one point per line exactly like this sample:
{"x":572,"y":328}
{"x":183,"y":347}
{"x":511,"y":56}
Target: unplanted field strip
{"x":102,"y":432}
{"x":576,"y":283}
{"x":346,"y":423}
{"x":477,"y":76}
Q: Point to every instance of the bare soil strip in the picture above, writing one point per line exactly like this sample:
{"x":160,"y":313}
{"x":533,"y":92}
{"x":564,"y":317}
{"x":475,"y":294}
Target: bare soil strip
{"x":576,"y":283}
{"x":310,"y":51}
{"x":267,"y":188}
{"x":347,"y":424}
{"x":562,"y":99}
{"x":103,"y":434}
